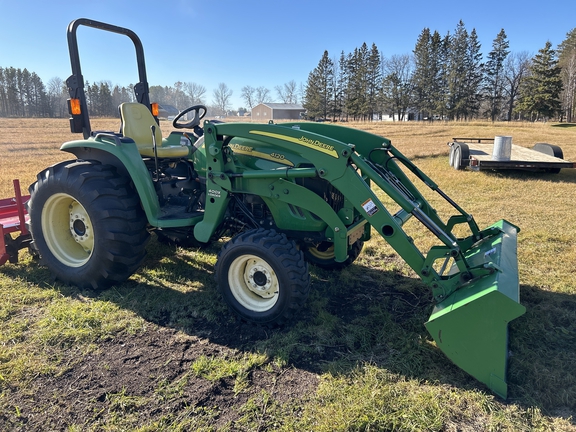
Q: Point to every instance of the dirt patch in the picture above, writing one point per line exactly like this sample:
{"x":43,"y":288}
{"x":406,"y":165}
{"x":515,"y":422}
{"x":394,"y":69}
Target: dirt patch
{"x":148,"y":374}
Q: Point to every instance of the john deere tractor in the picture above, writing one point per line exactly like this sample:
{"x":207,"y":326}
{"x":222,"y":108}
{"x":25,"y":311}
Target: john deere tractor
{"x":287,"y":195}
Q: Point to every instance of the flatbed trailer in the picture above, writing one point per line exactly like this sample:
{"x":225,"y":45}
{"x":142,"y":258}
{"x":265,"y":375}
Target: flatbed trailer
{"x":477,"y":154}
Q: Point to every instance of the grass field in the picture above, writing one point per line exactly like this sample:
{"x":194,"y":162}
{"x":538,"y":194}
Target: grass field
{"x":162,"y":352}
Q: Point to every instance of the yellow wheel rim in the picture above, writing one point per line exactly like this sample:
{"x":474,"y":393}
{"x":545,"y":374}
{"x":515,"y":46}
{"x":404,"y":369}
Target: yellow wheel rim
{"x":253,"y":283}
{"x":67,"y":230}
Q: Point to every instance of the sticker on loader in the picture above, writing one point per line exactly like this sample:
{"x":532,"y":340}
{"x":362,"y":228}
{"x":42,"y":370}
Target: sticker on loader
{"x":370,"y":208}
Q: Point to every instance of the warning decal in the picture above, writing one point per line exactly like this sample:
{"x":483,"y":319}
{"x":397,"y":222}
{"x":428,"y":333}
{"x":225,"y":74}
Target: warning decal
{"x":369,"y":207}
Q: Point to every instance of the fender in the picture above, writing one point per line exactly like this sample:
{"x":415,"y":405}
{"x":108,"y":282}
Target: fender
{"x":123,"y":154}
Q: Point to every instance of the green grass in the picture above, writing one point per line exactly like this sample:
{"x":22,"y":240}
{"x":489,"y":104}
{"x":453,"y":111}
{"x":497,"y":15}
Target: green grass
{"x":361,"y":332}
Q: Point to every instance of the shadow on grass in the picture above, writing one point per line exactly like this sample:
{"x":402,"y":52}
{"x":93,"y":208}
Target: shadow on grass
{"x":356,"y":316}
{"x":566,"y":175}
{"x":564,"y":125}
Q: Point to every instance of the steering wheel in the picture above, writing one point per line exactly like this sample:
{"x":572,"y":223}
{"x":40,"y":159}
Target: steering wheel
{"x":199,"y":113}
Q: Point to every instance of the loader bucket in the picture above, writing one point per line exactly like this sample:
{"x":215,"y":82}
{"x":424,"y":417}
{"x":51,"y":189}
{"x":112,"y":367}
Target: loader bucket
{"x":471,"y":325}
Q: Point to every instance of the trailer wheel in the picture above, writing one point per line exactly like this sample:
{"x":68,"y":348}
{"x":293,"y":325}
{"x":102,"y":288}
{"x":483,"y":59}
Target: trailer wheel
{"x":323,"y":255}
{"x":262,"y":277}
{"x":461,"y":157}
{"x":87,"y":224}
{"x":550,"y":150}
{"x":451,"y":156}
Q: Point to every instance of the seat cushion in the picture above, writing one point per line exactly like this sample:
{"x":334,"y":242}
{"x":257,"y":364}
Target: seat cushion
{"x":137,"y":121}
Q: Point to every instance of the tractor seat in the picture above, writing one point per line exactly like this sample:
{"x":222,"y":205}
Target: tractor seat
{"x":136,"y":124}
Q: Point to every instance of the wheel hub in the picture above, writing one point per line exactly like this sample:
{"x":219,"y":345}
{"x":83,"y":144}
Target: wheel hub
{"x":253,"y":283}
{"x":259,"y":279}
{"x":80,"y":226}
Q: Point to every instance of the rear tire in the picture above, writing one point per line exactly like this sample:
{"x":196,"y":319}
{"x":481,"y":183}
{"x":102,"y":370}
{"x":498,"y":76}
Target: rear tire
{"x":262,"y":277}
{"x":323,"y":255}
{"x":87,"y":224}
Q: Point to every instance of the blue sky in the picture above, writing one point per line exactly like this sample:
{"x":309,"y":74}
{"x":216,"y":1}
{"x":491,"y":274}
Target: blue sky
{"x":252,"y":42}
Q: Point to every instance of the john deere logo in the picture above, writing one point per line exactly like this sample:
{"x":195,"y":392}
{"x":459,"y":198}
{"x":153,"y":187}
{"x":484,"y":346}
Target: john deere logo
{"x":316,"y":143}
{"x":241,"y":148}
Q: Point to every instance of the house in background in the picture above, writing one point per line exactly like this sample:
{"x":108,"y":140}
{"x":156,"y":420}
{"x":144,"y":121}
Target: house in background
{"x":277,"y":111}
{"x":410,"y":115}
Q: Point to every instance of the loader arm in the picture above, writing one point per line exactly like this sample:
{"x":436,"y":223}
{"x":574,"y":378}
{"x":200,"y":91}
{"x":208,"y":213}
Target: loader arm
{"x":474,"y":280}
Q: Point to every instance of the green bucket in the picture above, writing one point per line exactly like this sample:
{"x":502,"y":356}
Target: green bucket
{"x":471,"y":325}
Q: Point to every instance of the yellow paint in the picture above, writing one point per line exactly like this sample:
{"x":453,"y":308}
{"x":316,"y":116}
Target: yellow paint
{"x":249,"y":151}
{"x":303,"y":141}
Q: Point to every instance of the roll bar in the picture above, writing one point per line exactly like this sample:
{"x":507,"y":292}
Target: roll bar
{"x":80,"y":123}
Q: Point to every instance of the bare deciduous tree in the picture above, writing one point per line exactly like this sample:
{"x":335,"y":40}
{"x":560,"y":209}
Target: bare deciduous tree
{"x":569,"y":93}
{"x":248,"y":95}
{"x":57,"y":96}
{"x":222,"y":95}
{"x":263,"y":95}
{"x":195,"y":92}
{"x":516,"y":67}
{"x":287,"y":93}
{"x":398,"y":84}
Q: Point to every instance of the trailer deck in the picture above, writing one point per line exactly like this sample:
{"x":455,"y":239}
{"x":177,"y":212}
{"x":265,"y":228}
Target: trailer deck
{"x":476,"y":154}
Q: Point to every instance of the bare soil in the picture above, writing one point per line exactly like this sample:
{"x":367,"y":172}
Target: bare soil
{"x":137,"y":366}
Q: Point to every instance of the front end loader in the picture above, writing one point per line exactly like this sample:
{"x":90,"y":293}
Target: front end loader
{"x":286,"y":195}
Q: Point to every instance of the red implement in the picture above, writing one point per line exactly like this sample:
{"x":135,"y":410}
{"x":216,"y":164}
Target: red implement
{"x":13,"y":218}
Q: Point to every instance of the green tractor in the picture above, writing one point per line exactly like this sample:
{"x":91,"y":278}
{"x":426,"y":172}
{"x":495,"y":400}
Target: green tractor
{"x":287,"y":194}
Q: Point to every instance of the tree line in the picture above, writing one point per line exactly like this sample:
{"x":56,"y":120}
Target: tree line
{"x":446,"y":77}
{"x":23,"y":94}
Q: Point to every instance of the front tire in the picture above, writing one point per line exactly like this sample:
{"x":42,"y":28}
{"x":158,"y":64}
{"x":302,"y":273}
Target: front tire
{"x":87,"y":224}
{"x":262,"y":277}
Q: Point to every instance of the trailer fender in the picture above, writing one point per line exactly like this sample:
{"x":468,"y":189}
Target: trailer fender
{"x":459,"y":156}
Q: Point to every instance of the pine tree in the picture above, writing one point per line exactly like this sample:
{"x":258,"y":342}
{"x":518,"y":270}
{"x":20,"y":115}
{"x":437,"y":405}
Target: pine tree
{"x":423,"y":73}
{"x":457,"y":71}
{"x":341,"y":87}
{"x":474,"y":77}
{"x":352,"y":89}
{"x":14,"y":107}
{"x":319,"y":91}
{"x":358,"y":104}
{"x":3,"y":95}
{"x":429,"y":78}
{"x":38,"y":99}
{"x":441,"y":54}
{"x":540,"y":92}
{"x":495,"y":79}
{"x":373,"y":82}
{"x":105,"y":106}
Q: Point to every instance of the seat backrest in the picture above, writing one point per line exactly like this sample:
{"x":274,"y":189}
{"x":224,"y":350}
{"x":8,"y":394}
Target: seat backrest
{"x":136,"y":122}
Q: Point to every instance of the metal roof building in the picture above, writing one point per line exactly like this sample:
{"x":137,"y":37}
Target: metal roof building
{"x":277,"y":111}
